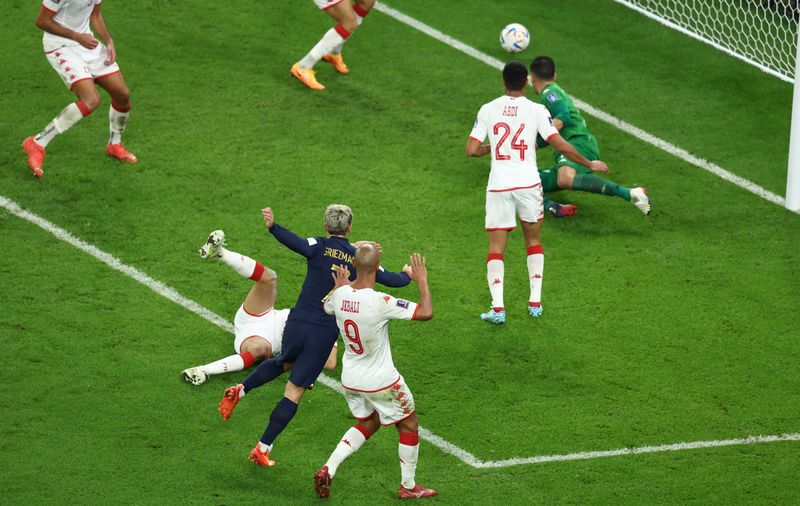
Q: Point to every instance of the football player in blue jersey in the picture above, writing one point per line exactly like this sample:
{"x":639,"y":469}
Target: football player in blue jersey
{"x":310,"y":332}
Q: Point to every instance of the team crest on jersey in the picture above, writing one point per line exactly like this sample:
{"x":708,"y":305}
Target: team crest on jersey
{"x":553,"y":97}
{"x":402,"y":303}
{"x":386,"y":299}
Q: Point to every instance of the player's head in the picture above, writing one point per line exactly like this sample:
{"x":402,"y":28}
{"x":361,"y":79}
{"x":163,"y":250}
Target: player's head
{"x":338,"y":220}
{"x":367,"y":259}
{"x":543,"y":68}
{"x":515,"y":75}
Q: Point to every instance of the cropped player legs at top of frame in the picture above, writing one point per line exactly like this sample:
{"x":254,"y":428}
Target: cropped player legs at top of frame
{"x":348,"y":18}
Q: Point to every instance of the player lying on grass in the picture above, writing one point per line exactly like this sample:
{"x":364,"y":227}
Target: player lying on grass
{"x":258,"y":326}
{"x":309,"y":333}
{"x":568,"y":174}
{"x":348,"y":17}
{"x":81,"y":61}
{"x":512,"y":123}
{"x":375,"y":392}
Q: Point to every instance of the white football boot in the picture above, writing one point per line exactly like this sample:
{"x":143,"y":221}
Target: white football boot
{"x":639,"y":198}
{"x":195,"y":375}
{"x":215,"y":241}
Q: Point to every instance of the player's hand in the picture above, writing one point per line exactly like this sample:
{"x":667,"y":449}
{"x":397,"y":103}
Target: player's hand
{"x":408,"y":271}
{"x":598,"y":166}
{"x":376,"y":244}
{"x":112,"y":53}
{"x":419,"y":271}
{"x":341,"y":276}
{"x":87,"y":40}
{"x":269,"y":218}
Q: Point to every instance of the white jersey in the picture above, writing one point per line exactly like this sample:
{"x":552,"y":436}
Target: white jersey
{"x":72,"y":14}
{"x":512,"y":124}
{"x":363,"y":318}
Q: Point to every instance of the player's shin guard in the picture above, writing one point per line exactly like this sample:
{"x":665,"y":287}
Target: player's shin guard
{"x":495,"y":272}
{"x":360,"y":15}
{"x":593,"y":184}
{"x":535,"y":272}
{"x":68,"y":116}
{"x":332,"y":38}
{"x":408,"y":450}
{"x":117,"y":121}
{"x":278,"y":420}
{"x":230,"y":364}
{"x":264,"y":373}
{"x":244,"y":266}
{"x":350,"y":443}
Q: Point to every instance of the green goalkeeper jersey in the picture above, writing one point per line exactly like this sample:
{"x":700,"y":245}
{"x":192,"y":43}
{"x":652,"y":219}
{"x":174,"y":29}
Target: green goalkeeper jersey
{"x":561,"y":108}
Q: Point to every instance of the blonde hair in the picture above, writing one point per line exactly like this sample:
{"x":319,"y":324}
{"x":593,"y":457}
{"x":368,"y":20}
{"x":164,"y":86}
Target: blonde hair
{"x":337,"y":218}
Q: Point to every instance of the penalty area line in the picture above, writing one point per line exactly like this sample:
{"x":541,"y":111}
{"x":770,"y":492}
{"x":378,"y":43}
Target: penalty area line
{"x":590,"y":109}
{"x":441,"y":443}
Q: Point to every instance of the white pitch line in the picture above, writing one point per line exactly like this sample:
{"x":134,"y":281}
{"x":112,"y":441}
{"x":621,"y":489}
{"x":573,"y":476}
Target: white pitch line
{"x":444,"y":445}
{"x":591,"y":110}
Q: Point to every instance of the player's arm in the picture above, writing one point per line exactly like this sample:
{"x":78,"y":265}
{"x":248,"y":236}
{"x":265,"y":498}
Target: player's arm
{"x":424,"y":309}
{"x":476,"y":148}
{"x":558,"y":110}
{"x":286,"y":237}
{"x":393,"y":279}
{"x":568,"y":150}
{"x":46,"y":22}
{"x":99,"y":25}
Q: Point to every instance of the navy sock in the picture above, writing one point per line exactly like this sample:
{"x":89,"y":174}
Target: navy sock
{"x":278,"y":420}
{"x":266,"y":371}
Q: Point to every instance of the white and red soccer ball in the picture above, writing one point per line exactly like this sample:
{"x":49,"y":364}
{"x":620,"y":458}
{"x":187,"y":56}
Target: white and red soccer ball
{"x":514,"y":38}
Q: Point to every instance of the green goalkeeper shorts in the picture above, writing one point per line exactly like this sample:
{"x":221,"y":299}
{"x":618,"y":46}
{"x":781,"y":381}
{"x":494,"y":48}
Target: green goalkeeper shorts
{"x":587,"y":146}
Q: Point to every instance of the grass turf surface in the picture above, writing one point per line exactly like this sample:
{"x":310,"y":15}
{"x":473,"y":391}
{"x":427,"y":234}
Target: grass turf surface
{"x":673,"y":328}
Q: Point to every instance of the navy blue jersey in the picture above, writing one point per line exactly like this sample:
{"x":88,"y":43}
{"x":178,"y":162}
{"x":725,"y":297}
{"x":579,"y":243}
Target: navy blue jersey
{"x":322,"y":254}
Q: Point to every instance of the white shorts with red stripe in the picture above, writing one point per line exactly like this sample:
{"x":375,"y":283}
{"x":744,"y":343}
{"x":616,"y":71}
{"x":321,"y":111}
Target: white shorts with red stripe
{"x":76,"y":63}
{"x":268,"y":326}
{"x":327,"y":4}
{"x":393,"y":403}
{"x":503,"y":207}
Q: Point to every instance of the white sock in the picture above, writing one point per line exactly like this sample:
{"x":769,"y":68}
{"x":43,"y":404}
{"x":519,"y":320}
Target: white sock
{"x":68,"y":116}
{"x":535,"y":271}
{"x":244,"y":266}
{"x":495,"y":272}
{"x":350,"y":443}
{"x":338,"y":48}
{"x":264,"y":448}
{"x":117,"y":121}
{"x":408,"y":464}
{"x":330,"y":40}
{"x":228,"y":364}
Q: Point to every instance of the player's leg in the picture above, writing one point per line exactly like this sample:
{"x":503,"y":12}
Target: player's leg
{"x":549,"y":178}
{"x":253,"y":349}
{"x":408,"y":451}
{"x":345,"y":18}
{"x":118,"y":114}
{"x":88,"y":100}
{"x":280,"y":417}
{"x":352,"y":440}
{"x":361,"y":9}
{"x":531,"y":213}
{"x":500,"y":219}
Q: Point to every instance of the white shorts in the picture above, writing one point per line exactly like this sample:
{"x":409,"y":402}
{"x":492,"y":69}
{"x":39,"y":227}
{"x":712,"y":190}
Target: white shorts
{"x":268,"y":326}
{"x":393,"y":403}
{"x":326,"y":4}
{"x":76,"y":63}
{"x":503,"y":207}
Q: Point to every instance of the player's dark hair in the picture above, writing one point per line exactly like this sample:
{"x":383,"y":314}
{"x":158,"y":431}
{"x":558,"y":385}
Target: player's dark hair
{"x":515,"y":75}
{"x":543,"y":67}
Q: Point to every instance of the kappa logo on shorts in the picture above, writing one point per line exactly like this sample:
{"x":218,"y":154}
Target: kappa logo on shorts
{"x":402,"y":303}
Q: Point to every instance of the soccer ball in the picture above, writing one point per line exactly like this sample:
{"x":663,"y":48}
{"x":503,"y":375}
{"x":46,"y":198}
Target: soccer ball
{"x":514,"y":38}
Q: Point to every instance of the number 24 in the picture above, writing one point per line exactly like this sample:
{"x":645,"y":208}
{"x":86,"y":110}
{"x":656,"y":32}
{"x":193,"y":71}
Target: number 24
{"x":516,"y":143}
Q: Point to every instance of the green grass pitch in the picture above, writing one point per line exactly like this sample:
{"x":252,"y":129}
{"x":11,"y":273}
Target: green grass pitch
{"x":677,"y":327}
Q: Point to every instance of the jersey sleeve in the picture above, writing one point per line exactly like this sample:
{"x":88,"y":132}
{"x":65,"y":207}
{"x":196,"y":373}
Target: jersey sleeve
{"x":479,"y":130}
{"x":391,"y":279}
{"x":306,"y":247}
{"x":544,"y":124}
{"x":395,"y":309}
{"x":330,"y":303}
{"x":557,"y":107}
{"x":52,"y":5}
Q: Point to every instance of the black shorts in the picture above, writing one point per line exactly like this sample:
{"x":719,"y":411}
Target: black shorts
{"x":308,"y":346}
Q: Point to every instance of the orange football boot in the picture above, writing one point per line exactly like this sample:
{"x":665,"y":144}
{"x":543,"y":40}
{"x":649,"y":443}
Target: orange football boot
{"x":262,"y":459}
{"x":119,"y":152}
{"x":229,"y":400}
{"x":338,"y":63}
{"x":307,"y":77}
{"x":35,"y":156}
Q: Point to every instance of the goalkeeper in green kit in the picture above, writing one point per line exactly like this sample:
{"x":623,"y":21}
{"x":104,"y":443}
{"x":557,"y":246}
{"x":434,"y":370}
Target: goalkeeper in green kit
{"x":568,"y":175}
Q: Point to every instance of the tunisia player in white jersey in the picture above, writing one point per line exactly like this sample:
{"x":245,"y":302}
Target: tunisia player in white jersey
{"x":348,"y":17}
{"x":375,"y":392}
{"x":512,"y":123}
{"x":81,"y":61}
